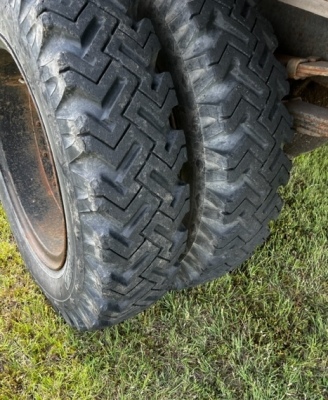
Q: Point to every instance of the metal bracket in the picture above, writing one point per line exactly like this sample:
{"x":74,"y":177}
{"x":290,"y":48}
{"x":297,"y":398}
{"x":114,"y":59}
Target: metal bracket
{"x":311,"y":126}
{"x":309,"y":119}
{"x":319,"y":7}
{"x":302,"y":68}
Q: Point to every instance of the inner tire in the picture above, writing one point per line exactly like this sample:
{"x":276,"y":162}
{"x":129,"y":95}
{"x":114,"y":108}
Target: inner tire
{"x":89,"y":159}
{"x":230,"y":87}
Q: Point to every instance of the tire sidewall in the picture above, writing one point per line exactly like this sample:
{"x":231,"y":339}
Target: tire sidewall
{"x":59,"y":286}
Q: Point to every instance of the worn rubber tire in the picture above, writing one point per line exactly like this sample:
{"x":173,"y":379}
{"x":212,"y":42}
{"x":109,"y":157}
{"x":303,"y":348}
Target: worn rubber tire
{"x":230,"y":87}
{"x":91,"y":72}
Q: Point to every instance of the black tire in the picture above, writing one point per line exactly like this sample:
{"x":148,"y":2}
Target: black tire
{"x":230,"y":87}
{"x":91,"y":73}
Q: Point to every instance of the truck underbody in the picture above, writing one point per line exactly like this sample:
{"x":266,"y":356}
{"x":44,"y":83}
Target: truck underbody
{"x":301,"y":29}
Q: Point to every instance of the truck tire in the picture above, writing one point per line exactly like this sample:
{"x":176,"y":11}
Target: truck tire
{"x":90,"y":164}
{"x":229,"y":87}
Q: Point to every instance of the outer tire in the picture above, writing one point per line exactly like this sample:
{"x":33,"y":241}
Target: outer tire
{"x":91,"y":72}
{"x":229,"y":88}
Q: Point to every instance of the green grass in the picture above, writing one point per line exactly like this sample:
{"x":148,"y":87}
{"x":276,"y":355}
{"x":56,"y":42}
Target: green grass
{"x":260,"y":333}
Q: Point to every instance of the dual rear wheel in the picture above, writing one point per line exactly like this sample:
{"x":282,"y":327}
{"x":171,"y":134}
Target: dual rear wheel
{"x":141,"y":146}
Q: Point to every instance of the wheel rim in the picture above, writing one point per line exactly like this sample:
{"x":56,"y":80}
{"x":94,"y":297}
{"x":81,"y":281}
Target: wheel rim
{"x":28,"y":167}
